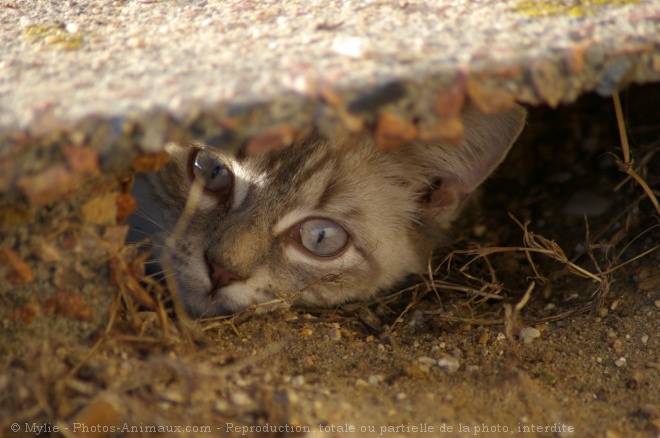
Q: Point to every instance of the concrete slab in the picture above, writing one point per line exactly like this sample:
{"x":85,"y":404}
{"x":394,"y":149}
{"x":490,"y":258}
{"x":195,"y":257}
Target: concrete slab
{"x":122,"y":76}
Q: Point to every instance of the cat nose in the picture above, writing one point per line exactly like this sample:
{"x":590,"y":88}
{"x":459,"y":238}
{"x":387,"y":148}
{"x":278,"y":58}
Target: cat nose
{"x":221,"y":277}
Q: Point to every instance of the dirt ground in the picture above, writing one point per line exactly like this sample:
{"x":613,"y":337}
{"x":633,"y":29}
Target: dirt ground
{"x":467,"y":357}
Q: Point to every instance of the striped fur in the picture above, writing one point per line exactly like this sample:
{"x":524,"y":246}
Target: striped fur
{"x":388,"y":202}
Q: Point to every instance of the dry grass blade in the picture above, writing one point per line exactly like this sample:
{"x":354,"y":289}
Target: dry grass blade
{"x":627,"y":165}
{"x":535,"y":241}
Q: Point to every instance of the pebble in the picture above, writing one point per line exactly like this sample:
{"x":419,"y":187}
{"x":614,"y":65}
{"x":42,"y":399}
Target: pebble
{"x":587,"y":202}
{"x":306,"y":331}
{"x":528,"y":334}
{"x":449,"y":363}
{"x":645,"y":339}
{"x":479,"y":230}
{"x":426,"y":360}
{"x":72,"y":27}
{"x":25,"y":22}
{"x":220,"y":406}
{"x":334,"y":334}
{"x":375,"y":379}
{"x":239,"y":398}
{"x":353,"y":47}
{"x":620,"y":362}
{"x":291,"y":396}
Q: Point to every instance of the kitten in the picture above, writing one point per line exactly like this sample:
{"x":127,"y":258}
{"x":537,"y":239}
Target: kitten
{"x":317,"y":223}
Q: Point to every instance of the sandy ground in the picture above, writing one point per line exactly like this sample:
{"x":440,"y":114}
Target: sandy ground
{"x":581,"y":358}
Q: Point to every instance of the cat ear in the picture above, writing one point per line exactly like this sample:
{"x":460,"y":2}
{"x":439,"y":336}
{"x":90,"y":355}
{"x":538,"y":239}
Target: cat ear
{"x":456,"y":171}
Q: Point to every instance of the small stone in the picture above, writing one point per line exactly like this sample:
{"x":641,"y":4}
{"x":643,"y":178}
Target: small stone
{"x":426,"y":360}
{"x":221,"y":405}
{"x":291,"y":396}
{"x":648,"y":284}
{"x":393,"y":131}
{"x":448,"y":363}
{"x":353,"y":47}
{"x":49,"y":40}
{"x":617,"y":346}
{"x":271,"y":140}
{"x":587,"y":202}
{"x":334,"y":334}
{"x":449,"y":102}
{"x":25,"y":22}
{"x":645,"y":339}
{"x":306,"y":331}
{"x":376,"y":379}
{"x":361,"y":383}
{"x":479,"y":230}
{"x":239,"y":398}
{"x":548,"y":81}
{"x":656,"y":303}
{"x":528,"y":334}
{"x":415,"y":372}
{"x":489,"y":101}
{"x":501,"y":336}
{"x":309,"y":361}
{"x":620,"y":362}
{"x":98,"y":412}
{"x":172,"y":395}
{"x":72,"y":27}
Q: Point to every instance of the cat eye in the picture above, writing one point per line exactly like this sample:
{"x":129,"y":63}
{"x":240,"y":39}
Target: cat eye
{"x":211,"y":172}
{"x":322,"y":237}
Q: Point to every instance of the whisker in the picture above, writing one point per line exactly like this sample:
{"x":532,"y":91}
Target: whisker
{"x":154,"y":274}
{"x":163,"y":278}
{"x":138,"y":230}
{"x":142,"y":242}
{"x":149,"y":218}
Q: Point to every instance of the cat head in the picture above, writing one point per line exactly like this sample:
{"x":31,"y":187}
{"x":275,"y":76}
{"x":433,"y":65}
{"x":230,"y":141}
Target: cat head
{"x":316,"y":223}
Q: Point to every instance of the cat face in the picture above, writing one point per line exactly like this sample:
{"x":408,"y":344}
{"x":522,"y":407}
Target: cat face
{"x":316,"y":223}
